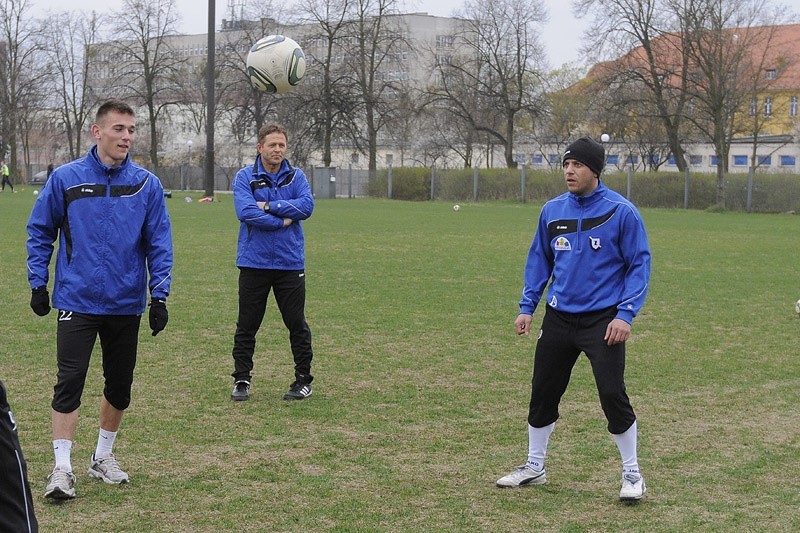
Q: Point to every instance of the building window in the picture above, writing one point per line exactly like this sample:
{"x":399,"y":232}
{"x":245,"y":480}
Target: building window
{"x":753,"y":106}
{"x":788,"y":161}
{"x":768,"y":106}
{"x":793,"y":106}
{"x":671,"y":160}
{"x":554,"y":159}
{"x":713,"y":161}
{"x":537,"y":159}
{"x":445,"y":41}
{"x":612,"y":160}
{"x":632,"y":159}
{"x":740,"y":160}
{"x":696,"y":160}
{"x":772,"y":73}
{"x":765,"y":160}
{"x":652,"y":159}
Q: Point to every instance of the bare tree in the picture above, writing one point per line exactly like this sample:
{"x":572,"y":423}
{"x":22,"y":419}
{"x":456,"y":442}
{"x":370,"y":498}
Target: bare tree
{"x":329,"y":101}
{"x":567,"y":109}
{"x":19,"y":88}
{"x":377,"y":41}
{"x":501,"y":62}
{"x":653,"y":38}
{"x":148,"y":66}
{"x":243,"y":106}
{"x":726,"y":58}
{"x":69,"y":53}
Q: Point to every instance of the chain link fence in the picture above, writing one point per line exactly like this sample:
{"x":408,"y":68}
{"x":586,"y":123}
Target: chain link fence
{"x":757,"y":192}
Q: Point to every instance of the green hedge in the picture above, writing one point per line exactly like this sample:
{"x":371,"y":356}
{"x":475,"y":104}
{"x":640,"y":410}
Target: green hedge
{"x":770,"y":192}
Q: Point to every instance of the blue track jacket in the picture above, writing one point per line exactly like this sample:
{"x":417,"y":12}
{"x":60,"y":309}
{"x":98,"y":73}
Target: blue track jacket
{"x":594,"y":251}
{"x":112,"y":225}
{"x":263,"y":241}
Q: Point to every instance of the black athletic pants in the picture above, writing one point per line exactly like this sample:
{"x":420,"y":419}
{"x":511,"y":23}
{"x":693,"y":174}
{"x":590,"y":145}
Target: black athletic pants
{"x":75,"y":340}
{"x":563,"y":337}
{"x":289,"y":287}
{"x":16,"y":503}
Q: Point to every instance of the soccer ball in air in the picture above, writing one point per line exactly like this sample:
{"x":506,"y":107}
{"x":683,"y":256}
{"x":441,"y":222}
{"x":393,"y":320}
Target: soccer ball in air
{"x":275,"y":64}
{"x":456,"y":207}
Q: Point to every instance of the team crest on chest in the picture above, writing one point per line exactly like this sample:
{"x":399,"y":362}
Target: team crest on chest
{"x":594,"y":242}
{"x":563,"y":244}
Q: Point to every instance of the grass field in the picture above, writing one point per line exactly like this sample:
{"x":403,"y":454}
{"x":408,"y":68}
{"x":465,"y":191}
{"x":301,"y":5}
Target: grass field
{"x":421,"y":390}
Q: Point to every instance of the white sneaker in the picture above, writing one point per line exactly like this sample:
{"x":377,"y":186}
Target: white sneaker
{"x":523,"y":476}
{"x":633,"y":487}
{"x":60,"y":485}
{"x":108,"y":470}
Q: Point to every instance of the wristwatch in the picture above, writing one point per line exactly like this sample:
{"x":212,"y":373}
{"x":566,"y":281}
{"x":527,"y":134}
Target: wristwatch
{"x":266,"y":207}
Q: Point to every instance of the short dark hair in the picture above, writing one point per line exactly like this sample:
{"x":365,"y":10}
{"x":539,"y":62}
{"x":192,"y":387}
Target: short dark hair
{"x":266,"y":129}
{"x":113,"y":105}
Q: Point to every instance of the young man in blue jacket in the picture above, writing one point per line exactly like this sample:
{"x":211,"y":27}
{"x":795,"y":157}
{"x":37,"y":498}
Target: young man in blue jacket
{"x":271,"y":198}
{"x":113,"y":228}
{"x":591,"y":247}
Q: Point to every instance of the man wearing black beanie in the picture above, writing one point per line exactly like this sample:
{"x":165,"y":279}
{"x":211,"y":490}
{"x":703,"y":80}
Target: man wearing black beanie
{"x":591,"y":248}
{"x":588,"y":152}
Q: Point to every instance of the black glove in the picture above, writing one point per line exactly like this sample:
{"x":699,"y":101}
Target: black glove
{"x":40,"y":300}
{"x":158,"y":315}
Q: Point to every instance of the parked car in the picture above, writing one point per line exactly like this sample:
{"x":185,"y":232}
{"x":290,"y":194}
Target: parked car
{"x":39,"y":178}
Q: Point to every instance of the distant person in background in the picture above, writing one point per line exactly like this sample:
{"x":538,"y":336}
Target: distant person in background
{"x":111,"y":221}
{"x":271,"y":197}
{"x":591,"y":248}
{"x":49,"y":169}
{"x":16,"y":502}
{"x":5,"y":173}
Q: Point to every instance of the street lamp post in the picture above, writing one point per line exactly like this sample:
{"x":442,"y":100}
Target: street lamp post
{"x":189,"y":144}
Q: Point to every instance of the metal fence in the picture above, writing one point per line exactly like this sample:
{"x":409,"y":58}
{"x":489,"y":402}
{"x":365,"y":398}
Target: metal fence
{"x":759,"y":192}
{"x":754,"y":191}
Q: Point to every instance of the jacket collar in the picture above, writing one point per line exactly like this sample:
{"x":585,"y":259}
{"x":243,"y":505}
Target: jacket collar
{"x":278,"y":177}
{"x":95,"y":159}
{"x":595,"y":195}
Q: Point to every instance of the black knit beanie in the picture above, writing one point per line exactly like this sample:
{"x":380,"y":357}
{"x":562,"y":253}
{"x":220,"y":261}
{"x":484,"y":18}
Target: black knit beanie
{"x":589,"y":152}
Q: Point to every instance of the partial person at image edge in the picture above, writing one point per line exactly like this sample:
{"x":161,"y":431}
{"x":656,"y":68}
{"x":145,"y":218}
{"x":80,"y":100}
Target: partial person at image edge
{"x":16,"y":501}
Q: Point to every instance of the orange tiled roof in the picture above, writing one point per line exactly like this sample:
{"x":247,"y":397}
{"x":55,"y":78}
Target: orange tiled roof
{"x":779,"y":46}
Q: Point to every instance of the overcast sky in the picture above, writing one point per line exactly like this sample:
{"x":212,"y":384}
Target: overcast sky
{"x":561,"y":35}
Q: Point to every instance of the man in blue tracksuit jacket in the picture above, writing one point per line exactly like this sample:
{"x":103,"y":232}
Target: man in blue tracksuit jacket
{"x":271,"y":198}
{"x":591,"y":247}
{"x":113,"y":228}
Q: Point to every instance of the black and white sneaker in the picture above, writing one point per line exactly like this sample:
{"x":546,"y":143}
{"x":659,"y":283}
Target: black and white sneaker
{"x":298,"y":391}
{"x":241,"y":391}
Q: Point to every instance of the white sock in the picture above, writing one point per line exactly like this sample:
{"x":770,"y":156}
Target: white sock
{"x":105,"y":442}
{"x":62,"y":449}
{"x":626,"y":442}
{"x":537,"y":445}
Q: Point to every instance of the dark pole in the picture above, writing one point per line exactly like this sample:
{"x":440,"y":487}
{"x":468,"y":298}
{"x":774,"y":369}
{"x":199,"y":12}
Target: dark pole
{"x":210,"y":69}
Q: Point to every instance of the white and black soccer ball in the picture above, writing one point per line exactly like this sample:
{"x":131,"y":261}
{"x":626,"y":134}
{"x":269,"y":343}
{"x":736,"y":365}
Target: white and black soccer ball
{"x":276,"y":64}
{"x":797,"y":307}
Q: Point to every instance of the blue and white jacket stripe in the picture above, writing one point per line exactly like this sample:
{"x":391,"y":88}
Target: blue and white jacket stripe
{"x":594,"y":252}
{"x":112,"y":227}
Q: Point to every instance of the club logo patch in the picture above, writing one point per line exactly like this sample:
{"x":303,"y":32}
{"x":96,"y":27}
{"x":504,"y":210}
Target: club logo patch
{"x":563,"y":244}
{"x":595,"y":242}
